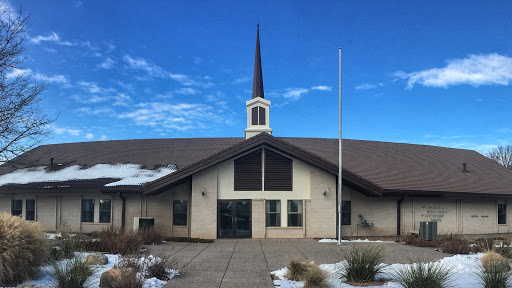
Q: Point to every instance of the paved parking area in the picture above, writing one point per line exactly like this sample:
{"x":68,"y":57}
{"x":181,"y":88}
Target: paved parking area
{"x":248,"y":262}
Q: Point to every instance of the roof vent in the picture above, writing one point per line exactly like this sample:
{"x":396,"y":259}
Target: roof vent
{"x":51,"y":162}
{"x":464,"y":169}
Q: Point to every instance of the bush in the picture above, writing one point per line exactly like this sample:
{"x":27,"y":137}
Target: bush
{"x":414,"y":240}
{"x":131,"y":280}
{"x":315,"y":278}
{"x":423,"y":275}
{"x":158,"y":267}
{"x":494,"y":276}
{"x":454,"y":245}
{"x":495,"y":261}
{"x":363,"y":263}
{"x":111,"y":241}
{"x":296,"y":269}
{"x":150,"y":237}
{"x":23,"y":250}
{"x":505,"y":251}
{"x":72,"y":273}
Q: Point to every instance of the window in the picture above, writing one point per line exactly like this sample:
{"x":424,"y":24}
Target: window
{"x":179,"y":216}
{"x":87,"y":210}
{"x":30,"y":210}
{"x":502,"y":213}
{"x":248,"y":176}
{"x":273,"y":213}
{"x":346,"y":212}
{"x":258,"y":116}
{"x":105,"y":207}
{"x":278,"y":172}
{"x":294,"y":213}
{"x":17,"y":207}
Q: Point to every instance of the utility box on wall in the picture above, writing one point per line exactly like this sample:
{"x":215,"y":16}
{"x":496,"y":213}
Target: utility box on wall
{"x":143,"y":223}
{"x":428,"y":230}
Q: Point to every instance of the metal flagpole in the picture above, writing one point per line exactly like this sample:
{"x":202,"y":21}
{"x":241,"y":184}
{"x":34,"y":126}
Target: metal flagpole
{"x":340,"y":192}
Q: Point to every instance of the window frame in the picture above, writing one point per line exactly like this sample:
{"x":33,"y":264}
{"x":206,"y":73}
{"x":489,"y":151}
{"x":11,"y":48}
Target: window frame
{"x":344,"y":214}
{"x":174,"y":212}
{"x":503,"y":215}
{"x":32,"y":210}
{"x":109,"y":211}
{"x":82,"y":210}
{"x":20,"y":209}
{"x":289,"y":213}
{"x":277,"y":212}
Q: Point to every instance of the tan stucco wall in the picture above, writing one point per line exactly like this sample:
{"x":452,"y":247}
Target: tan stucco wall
{"x":321,"y":212}
{"x":258,"y":218}
{"x":203,"y":212}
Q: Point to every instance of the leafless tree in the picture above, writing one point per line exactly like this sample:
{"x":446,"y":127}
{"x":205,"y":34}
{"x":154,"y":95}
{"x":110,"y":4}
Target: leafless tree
{"x":502,"y":155}
{"x":23,"y":124}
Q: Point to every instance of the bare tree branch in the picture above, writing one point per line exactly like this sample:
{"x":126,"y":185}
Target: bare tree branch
{"x":23,"y":124}
{"x":502,"y":155}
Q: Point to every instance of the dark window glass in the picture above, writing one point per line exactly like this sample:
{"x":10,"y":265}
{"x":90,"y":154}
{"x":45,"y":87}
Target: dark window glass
{"x":87,"y":210}
{"x":248,"y":176}
{"x":17,"y":207}
{"x":502,"y":213}
{"x":30,"y":210}
{"x":278,"y":172}
{"x":294,"y":213}
{"x":254,"y":115}
{"x":105,"y":207}
{"x":262,"y":115}
{"x":273,"y":213}
{"x":179,"y":213}
{"x":346,"y":211}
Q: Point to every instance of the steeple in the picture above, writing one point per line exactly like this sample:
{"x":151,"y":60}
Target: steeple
{"x":258,"y":108}
{"x":257,"y":83}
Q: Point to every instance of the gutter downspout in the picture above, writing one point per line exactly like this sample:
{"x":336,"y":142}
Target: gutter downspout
{"x":123,"y":214}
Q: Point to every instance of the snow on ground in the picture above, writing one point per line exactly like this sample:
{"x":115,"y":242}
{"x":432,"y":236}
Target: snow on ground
{"x":347,"y":241}
{"x":465,"y":269}
{"x":128,"y":174}
{"x":45,"y":280}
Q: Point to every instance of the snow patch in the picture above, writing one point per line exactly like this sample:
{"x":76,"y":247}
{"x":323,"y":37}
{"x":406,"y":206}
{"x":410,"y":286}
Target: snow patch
{"x":128,"y":174}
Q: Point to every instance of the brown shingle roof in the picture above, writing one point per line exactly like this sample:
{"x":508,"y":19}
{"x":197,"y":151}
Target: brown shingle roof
{"x":388,"y":166}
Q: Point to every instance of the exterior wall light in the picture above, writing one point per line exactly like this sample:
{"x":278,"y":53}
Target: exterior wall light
{"x":203,"y":191}
{"x":327,"y":190}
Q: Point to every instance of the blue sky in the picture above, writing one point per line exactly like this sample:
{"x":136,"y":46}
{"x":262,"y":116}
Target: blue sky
{"x":434,"y":73}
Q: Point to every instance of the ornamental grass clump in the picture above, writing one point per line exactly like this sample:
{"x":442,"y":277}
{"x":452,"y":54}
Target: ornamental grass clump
{"x":23,"y":250}
{"x":494,"y":260}
{"x":363,"y":263}
{"x":315,"y":278}
{"x":297,"y":269}
{"x":423,"y":275}
{"x":73,"y":273}
{"x":494,"y":276}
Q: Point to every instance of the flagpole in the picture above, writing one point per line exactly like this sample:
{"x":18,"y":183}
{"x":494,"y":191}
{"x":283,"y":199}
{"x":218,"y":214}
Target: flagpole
{"x":340,"y":193}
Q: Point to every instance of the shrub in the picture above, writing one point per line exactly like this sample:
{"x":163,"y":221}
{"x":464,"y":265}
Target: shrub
{"x":483,"y":244}
{"x":494,"y":276}
{"x":131,"y":279}
{"x":315,"y":278}
{"x":454,"y":245}
{"x":414,"y":240}
{"x":158,"y":267}
{"x":363,"y":262}
{"x":423,"y":275}
{"x":150,"y":237}
{"x":505,"y":251}
{"x":129,"y":261}
{"x":23,"y":250}
{"x":111,"y":241}
{"x":296,"y":269}
{"x":495,"y":261}
{"x":72,"y":273}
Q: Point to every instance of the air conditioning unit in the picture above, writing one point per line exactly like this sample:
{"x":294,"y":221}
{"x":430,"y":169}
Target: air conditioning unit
{"x":428,"y":230}
{"x":143,"y":223}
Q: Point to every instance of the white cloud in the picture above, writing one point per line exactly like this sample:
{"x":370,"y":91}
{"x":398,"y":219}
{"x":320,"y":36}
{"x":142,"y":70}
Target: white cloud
{"x":78,"y":4}
{"x":89,"y":136}
{"x":198,"y":60}
{"x":9,"y":13}
{"x":89,"y":99}
{"x":186,"y":91}
{"x":241,"y":80}
{"x":103,"y":138}
{"x":37,"y":76}
{"x":72,"y":132}
{"x":52,"y":37}
{"x":121,"y":99}
{"x":107,"y":64}
{"x":295,"y":93}
{"x":321,"y":88}
{"x":368,"y":86}
{"x":102,"y":111}
{"x":475,"y":70}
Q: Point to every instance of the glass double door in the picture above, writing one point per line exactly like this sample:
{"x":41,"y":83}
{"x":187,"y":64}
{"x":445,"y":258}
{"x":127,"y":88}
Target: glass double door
{"x":234,"y":219}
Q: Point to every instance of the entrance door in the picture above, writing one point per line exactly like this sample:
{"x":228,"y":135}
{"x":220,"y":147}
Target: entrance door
{"x":234,"y":219}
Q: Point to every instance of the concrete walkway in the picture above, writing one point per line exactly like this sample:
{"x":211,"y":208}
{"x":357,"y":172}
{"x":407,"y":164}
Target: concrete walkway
{"x":248,"y":262}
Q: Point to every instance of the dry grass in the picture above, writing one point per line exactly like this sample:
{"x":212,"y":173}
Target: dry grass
{"x":424,"y":275}
{"x":363,"y":263}
{"x":297,"y":269}
{"x":150,"y":237}
{"x":22,"y":250}
{"x":492,"y":260}
{"x":315,"y":278}
{"x":111,"y":241}
{"x":149,"y":266}
{"x":414,"y":240}
{"x":453,"y":244}
{"x":73,"y":273}
{"x":131,"y":280}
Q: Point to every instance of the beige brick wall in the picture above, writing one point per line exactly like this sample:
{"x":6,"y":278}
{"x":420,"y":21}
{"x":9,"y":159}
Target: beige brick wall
{"x":285,"y":232}
{"x":160,"y":208}
{"x":323,"y":208}
{"x":203,"y":212}
{"x":70,"y":211}
{"x":133,"y":208}
{"x":479,"y":216}
{"x":5,"y":204}
{"x":46,"y":212}
{"x":258,"y":218}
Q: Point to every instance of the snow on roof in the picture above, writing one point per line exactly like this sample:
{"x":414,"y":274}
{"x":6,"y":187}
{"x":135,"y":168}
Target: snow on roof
{"x":128,"y":174}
